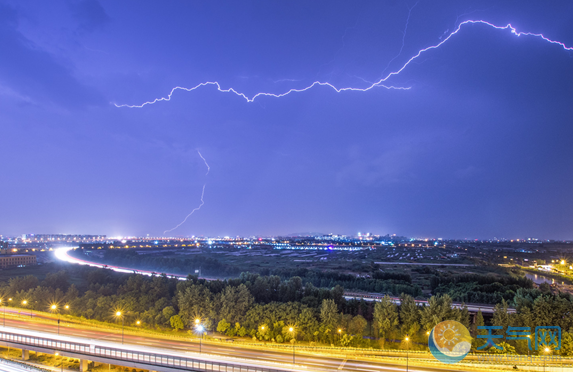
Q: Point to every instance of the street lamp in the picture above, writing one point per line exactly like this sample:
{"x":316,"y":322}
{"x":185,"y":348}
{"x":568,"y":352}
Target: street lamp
{"x":547,"y":350}
{"x":291,"y":330}
{"x":24,"y":303}
{"x":53,"y":308}
{"x":61,"y":364}
{"x":118,"y":314}
{"x":340,"y":336}
{"x":407,"y":351}
{"x":199,"y":328}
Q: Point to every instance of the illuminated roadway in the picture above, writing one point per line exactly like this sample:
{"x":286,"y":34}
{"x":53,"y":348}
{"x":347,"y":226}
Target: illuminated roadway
{"x":278,"y":359}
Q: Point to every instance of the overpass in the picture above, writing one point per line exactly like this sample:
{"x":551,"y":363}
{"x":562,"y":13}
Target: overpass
{"x":131,"y":357}
{"x":472,"y":308}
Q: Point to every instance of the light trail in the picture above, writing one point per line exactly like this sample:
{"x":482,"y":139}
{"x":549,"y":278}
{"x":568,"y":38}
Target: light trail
{"x":376,"y":84}
{"x":62,"y":254}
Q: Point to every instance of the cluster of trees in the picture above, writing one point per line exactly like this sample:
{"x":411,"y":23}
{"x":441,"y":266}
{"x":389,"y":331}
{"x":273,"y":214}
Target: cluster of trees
{"x":267,"y":308}
{"x":379,"y":282}
{"x":393,"y":283}
{"x":535,"y":308}
{"x":477,"y":288}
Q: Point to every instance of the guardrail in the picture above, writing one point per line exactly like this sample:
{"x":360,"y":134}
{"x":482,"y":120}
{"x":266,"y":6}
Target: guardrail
{"x":158,"y":360}
{"x":23,"y":365}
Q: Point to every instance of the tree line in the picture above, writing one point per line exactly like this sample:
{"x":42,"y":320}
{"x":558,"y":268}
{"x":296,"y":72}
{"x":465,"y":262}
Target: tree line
{"x":266,"y":308}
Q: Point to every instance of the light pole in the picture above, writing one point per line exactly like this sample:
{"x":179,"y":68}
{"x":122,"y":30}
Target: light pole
{"x":547,"y":350}
{"x":199,"y":328}
{"x":340,"y":336}
{"x":118,"y":314}
{"x":61,"y":364}
{"x":407,"y":351}
{"x":24,"y":303}
{"x":67,"y":307}
{"x":54,"y":307}
{"x":291,"y":330}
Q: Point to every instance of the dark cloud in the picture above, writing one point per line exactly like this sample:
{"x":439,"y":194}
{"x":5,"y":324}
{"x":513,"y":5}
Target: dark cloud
{"x":34,"y":73}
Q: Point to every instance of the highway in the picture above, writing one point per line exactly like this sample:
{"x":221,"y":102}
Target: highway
{"x":277,"y":359}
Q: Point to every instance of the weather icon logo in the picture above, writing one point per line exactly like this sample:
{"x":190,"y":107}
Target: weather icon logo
{"x":449,"y":342}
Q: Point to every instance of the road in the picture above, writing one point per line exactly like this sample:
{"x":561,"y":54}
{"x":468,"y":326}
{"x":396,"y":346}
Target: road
{"x":307,"y":361}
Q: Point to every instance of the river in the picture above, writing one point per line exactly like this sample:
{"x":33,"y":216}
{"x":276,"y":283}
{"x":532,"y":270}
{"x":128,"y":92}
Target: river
{"x":538,"y":279}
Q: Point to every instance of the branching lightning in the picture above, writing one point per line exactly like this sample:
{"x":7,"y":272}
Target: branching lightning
{"x":208,"y":167}
{"x":376,"y":84}
{"x":403,"y":38}
{"x":202,"y":195}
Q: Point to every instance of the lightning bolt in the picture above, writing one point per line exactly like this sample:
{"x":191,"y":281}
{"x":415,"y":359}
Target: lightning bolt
{"x":202,"y":195}
{"x":403,"y":38}
{"x":208,"y":167}
{"x":351,"y":89}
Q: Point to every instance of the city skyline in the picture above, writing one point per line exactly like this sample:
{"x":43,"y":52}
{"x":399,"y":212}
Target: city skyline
{"x":469,"y":138}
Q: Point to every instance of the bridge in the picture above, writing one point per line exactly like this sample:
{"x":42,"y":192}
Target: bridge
{"x":472,"y":308}
{"x":126,"y":357}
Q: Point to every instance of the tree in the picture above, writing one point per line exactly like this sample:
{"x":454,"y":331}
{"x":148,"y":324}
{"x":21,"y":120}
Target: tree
{"x":505,"y":349}
{"x":409,"y":315}
{"x":223,"y":326}
{"x":439,"y":309}
{"x":501,"y":316}
{"x":329,"y":316}
{"x":567,"y":344}
{"x":329,"y":313}
{"x":385,"y":317}
{"x":357,"y":326}
{"x":176,"y":322}
{"x":475,"y":331}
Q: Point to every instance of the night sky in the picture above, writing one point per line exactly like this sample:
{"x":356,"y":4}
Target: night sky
{"x":480,"y":146}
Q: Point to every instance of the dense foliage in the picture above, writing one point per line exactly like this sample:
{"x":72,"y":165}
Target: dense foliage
{"x":266,"y":307}
{"x":481,"y":289}
{"x":380,"y":282}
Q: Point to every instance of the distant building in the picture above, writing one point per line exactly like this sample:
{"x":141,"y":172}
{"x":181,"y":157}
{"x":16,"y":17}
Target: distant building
{"x":17,"y":260}
{"x":3,"y":247}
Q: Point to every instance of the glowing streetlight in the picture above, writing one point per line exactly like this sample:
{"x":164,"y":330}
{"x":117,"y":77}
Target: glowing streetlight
{"x":199,"y":328}
{"x":118,"y":314}
{"x":53,"y":308}
{"x":291,"y":330}
{"x":138,"y":322}
{"x":547,"y":350}
{"x":407,"y":351}
{"x":24,"y":303}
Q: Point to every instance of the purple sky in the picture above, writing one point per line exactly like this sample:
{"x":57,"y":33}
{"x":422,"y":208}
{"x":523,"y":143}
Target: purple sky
{"x":480,"y":145}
